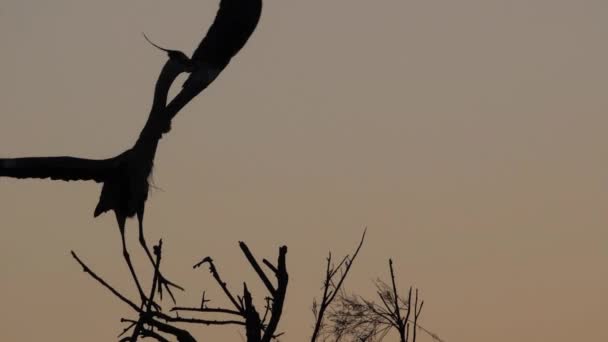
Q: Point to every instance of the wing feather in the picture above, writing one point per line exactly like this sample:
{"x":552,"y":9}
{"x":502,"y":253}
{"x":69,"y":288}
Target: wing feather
{"x":234,"y":23}
{"x":56,"y":168}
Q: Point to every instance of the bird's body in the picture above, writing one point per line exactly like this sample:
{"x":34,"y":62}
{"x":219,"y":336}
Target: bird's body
{"x":125,"y":191}
{"x":125,"y":176}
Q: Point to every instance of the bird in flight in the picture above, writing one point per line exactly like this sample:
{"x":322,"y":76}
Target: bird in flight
{"x":124,"y":178}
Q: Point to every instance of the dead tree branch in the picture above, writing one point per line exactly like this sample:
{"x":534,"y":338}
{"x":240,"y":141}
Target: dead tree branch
{"x":257,"y":329}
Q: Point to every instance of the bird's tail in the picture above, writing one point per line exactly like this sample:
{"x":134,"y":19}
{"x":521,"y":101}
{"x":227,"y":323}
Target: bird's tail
{"x":110,"y":195}
{"x":100,"y":209}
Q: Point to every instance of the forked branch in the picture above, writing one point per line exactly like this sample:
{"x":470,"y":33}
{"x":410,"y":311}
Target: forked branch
{"x":257,"y":329}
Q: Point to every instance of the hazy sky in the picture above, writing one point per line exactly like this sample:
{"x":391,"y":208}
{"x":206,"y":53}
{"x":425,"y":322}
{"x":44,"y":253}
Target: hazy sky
{"x":469,"y":136}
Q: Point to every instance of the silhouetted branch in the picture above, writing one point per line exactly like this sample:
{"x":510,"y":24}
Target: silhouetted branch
{"x":256,"y":329}
{"x":139,"y":327}
{"x":278,"y":298}
{"x":417,"y":311}
{"x":219,"y":280}
{"x":400,"y":324}
{"x":330,"y":288}
{"x":207,"y":310}
{"x":152,"y":334}
{"x":253,"y":324}
{"x":269,"y":265}
{"x":257,"y":268}
{"x":104,"y":283}
{"x":180,"y":334}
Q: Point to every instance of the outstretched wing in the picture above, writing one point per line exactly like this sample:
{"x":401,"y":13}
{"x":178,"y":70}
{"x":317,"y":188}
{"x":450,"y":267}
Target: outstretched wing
{"x":233,"y":25}
{"x":56,"y":168}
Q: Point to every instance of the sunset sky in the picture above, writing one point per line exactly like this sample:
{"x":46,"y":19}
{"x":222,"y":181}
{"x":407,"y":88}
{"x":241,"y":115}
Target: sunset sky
{"x":469,"y":137}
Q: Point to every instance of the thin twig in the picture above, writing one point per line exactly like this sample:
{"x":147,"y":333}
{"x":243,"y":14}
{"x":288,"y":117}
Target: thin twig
{"x":207,"y":310}
{"x":105,"y":284}
{"x":218,"y":279}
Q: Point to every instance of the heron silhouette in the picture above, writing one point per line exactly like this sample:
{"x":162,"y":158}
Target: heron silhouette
{"x":125,"y":176}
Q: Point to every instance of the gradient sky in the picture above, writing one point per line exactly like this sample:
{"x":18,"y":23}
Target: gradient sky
{"x":469,"y":136}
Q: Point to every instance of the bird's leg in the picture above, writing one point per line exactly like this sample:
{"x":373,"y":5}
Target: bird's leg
{"x":162,"y":281}
{"x":121,"y":226}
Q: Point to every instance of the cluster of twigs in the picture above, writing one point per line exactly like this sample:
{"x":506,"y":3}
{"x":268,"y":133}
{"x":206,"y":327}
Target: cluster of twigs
{"x":360,"y":319}
{"x":354,"y":318}
{"x":152,"y":322}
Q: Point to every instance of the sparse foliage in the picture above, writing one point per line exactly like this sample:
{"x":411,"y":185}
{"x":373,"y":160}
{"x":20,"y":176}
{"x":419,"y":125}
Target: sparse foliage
{"x":355,"y":318}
